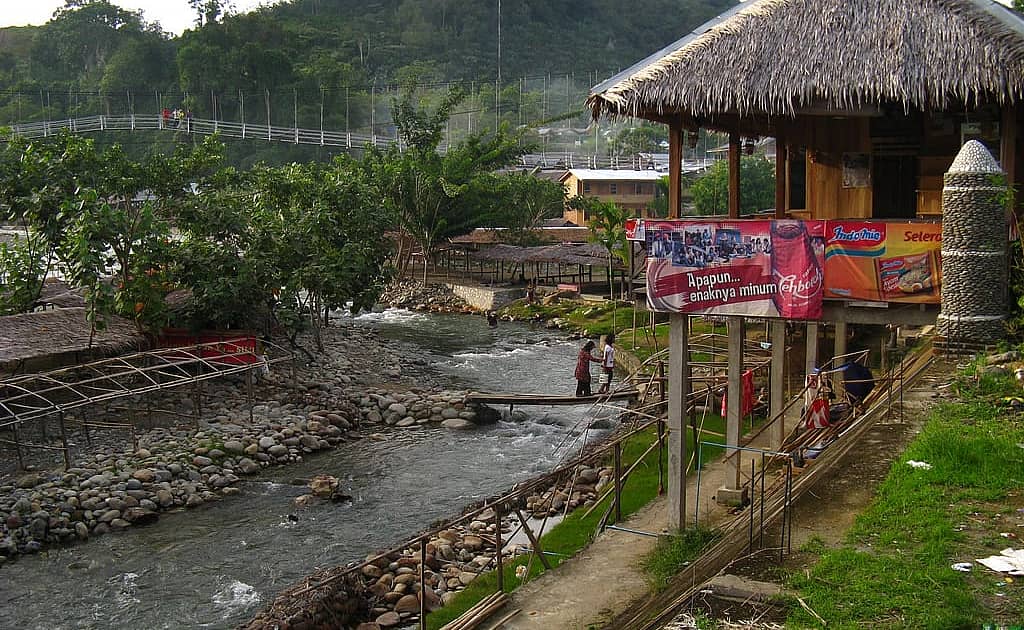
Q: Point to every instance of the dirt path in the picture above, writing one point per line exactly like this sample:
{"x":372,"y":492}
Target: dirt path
{"x":605,"y":577}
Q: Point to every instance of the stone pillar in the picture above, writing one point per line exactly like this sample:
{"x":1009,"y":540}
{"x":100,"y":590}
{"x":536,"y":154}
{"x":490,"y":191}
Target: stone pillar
{"x":678,"y":392}
{"x":974,"y":242}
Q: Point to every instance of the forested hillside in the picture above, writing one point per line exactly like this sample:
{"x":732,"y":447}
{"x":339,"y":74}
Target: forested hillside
{"x":333,"y":62}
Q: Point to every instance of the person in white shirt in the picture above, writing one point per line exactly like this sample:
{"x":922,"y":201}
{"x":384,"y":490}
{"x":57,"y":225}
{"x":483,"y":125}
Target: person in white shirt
{"x":607,"y":364}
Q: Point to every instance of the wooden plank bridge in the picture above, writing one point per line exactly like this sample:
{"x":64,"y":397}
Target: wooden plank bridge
{"x":513,"y":399}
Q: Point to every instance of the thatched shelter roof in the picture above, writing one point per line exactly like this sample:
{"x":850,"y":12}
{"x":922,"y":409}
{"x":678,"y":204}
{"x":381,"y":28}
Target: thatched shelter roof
{"x":562,"y":234}
{"x":775,"y":57}
{"x":582,"y":254}
{"x":59,"y":332}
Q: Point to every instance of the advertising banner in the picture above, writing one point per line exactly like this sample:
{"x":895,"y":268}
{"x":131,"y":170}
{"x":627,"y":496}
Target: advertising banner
{"x":635,"y":230}
{"x":883,"y":261}
{"x":751,"y":267}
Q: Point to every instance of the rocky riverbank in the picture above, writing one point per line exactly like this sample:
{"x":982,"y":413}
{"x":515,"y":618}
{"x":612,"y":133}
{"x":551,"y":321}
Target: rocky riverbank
{"x":416,"y":296}
{"x":385,"y":591}
{"x":113,"y":484}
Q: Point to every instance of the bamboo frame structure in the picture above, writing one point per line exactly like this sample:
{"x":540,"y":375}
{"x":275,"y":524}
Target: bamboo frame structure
{"x":37,"y":397}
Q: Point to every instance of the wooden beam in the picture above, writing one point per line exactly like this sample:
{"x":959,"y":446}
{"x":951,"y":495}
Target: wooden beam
{"x":781,"y":172}
{"x":678,"y":392}
{"x":734,"y":175}
{"x":675,"y":169}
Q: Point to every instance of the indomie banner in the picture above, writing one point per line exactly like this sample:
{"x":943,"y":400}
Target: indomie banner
{"x":883,"y":261}
{"x":750,"y":267}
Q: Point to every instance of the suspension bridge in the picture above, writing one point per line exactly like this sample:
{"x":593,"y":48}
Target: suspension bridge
{"x":345,"y":140}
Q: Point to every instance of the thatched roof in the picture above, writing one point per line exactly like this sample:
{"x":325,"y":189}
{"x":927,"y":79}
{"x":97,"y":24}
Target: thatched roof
{"x":482,"y":236}
{"x":776,"y":56}
{"x":45,"y":334}
{"x":582,"y":254}
{"x":58,"y":293}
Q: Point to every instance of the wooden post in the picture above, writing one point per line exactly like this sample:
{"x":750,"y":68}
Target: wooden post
{"x":781,"y":168}
{"x":248,"y":392}
{"x":778,"y":379}
{"x":734,"y":175}
{"x":675,"y":169}
{"x":537,"y":549}
{"x":64,"y":441}
{"x":618,"y":482}
{"x":678,"y":392}
{"x":497,"y":540}
{"x":840,"y":349}
{"x":734,"y":404}
{"x":423,"y":583}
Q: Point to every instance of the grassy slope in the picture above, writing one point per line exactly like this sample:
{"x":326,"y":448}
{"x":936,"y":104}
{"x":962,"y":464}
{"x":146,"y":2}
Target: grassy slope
{"x":894,"y":570}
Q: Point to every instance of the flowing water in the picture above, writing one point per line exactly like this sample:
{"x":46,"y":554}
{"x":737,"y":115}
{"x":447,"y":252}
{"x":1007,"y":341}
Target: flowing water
{"x":215,"y":566}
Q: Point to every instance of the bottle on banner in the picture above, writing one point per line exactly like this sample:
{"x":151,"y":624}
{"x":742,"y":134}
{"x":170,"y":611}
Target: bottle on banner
{"x":796,"y":271}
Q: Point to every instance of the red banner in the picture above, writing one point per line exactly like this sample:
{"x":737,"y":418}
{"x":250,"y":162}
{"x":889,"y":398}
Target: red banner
{"x":753,"y":267}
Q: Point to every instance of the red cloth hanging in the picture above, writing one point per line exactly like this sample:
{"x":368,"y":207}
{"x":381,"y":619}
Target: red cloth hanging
{"x":747,"y":395}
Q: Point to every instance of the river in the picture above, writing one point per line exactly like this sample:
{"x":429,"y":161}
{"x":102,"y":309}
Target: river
{"x":215,"y":566}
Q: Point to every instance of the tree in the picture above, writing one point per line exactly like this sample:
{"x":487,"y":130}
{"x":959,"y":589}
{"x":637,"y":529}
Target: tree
{"x":607,"y":227}
{"x":209,"y":11}
{"x":646,"y":138}
{"x":429,"y":195}
{"x":523,"y":202}
{"x":757,"y":187}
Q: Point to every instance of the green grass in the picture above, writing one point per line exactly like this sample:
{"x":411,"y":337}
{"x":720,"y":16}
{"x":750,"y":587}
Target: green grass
{"x":673,"y":554}
{"x":894,"y":568}
{"x":576,"y":531}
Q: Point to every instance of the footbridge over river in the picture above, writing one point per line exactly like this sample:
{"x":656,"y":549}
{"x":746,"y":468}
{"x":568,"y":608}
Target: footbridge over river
{"x":345,"y":140}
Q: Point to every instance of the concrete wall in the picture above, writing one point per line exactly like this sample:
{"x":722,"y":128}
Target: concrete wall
{"x":487,"y":299}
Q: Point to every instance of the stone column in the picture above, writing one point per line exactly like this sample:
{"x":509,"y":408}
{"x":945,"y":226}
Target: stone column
{"x":974,"y":242}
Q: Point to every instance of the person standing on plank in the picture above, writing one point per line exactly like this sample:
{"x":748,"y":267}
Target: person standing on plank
{"x":583,"y":369}
{"x":607,"y":364}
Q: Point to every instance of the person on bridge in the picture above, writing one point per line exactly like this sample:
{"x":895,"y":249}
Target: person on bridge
{"x":583,"y":369}
{"x":607,"y":364}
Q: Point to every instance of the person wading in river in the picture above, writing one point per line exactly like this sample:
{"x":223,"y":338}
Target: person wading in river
{"x":607,"y":364}
{"x":583,"y":369}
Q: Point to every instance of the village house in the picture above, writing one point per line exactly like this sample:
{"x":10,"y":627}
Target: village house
{"x":630,"y":189}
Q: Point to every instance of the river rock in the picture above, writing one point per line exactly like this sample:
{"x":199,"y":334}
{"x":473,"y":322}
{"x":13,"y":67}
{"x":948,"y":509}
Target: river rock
{"x":406,"y":422}
{"x":109,"y":515}
{"x":324,"y":486}
{"x":458,"y":424}
{"x":144,"y":475}
{"x":194,"y":500}
{"x":472,"y":543}
{"x":235,"y":447}
{"x":408,"y":604}
{"x":465,"y":577}
{"x":449,"y":412}
{"x":389,"y":619}
{"x":310,"y":442}
{"x":30,"y":480}
{"x":266,"y":442}
{"x":247,"y":467}
{"x":201,"y":461}
{"x":398,"y":409}
{"x":277,"y":450}
{"x":164,"y":497}
{"x":81,"y":530}
{"x":369,"y":625}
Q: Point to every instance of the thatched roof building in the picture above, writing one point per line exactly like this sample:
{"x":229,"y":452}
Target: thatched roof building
{"x":590,"y":254}
{"x":779,"y":56}
{"x":869,"y":100}
{"x":45,"y":339}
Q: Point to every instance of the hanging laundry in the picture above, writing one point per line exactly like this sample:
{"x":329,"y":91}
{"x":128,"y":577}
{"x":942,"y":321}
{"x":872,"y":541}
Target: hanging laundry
{"x":747,"y":398}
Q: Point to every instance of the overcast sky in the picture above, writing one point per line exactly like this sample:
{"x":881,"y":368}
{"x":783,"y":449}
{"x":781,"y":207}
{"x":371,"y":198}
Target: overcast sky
{"x":174,"y":15}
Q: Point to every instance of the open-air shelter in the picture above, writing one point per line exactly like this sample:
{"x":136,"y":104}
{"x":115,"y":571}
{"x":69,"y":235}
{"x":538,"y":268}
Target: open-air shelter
{"x":869,"y":102}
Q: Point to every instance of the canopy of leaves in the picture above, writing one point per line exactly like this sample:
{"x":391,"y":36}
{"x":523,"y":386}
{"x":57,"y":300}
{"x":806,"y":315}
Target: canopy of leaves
{"x":757,"y":187}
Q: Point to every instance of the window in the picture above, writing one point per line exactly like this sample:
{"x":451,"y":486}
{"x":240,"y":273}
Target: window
{"x":586,"y":188}
{"x":638,"y":189}
{"x":613,"y":188}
